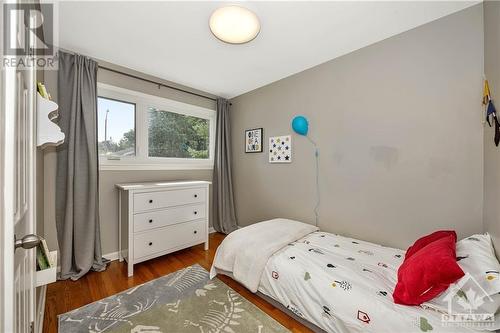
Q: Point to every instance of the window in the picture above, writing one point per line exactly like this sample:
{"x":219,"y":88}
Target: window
{"x":138,"y":131}
{"x":177,"y":135}
{"x":116,"y":128}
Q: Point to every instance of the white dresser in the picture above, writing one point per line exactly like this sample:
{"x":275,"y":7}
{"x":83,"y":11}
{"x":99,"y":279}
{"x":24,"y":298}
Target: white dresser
{"x":161,"y":217}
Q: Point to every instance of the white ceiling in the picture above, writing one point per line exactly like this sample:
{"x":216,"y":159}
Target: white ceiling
{"x":171,"y":40}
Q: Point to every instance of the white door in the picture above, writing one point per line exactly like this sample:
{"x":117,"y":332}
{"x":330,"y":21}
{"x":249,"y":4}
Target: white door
{"x":18,"y":149}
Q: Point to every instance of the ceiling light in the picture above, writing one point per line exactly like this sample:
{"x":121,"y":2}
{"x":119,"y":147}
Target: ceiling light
{"x":234,"y":24}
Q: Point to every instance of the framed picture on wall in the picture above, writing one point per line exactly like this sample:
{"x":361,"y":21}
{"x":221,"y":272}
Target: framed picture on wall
{"x":280,"y":149}
{"x":253,"y":140}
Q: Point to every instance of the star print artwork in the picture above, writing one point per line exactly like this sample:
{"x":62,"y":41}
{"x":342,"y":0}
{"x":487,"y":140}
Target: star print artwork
{"x":280,"y":149}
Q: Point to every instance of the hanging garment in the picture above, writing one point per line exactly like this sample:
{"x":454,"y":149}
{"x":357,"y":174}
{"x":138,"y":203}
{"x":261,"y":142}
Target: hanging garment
{"x":490,"y":111}
{"x":497,"y":130}
{"x":486,"y":93}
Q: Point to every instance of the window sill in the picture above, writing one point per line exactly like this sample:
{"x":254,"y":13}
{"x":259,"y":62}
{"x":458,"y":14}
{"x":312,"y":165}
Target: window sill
{"x":154,"y":166}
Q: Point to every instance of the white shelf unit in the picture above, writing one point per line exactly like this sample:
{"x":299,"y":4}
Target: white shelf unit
{"x":48,"y":132}
{"x":48,"y":275}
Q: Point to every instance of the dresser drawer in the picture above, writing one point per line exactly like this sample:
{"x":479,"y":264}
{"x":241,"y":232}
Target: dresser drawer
{"x":169,"y":237}
{"x":155,"y":200}
{"x":169,"y":216}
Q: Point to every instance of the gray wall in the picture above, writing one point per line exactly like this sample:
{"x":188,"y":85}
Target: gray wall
{"x":108,"y":195}
{"x":491,"y":152}
{"x":399,"y":128}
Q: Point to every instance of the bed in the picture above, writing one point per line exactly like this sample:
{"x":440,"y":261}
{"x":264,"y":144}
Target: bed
{"x":336,"y":283}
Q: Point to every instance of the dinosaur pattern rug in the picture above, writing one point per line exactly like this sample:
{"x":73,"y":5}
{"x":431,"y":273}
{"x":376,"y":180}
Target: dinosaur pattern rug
{"x":183,"y":301}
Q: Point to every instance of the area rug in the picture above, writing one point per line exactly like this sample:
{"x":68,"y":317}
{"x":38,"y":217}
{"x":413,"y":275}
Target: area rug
{"x":184,"y":301}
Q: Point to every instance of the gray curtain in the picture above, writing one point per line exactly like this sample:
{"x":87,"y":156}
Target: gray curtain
{"x":77,"y":196}
{"x":223,"y":200}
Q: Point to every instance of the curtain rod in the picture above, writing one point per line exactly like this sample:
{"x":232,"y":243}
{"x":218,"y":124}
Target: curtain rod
{"x":156,"y":83}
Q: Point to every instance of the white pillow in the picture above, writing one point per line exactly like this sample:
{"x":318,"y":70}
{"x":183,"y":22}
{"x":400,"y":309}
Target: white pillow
{"x":476,"y":257}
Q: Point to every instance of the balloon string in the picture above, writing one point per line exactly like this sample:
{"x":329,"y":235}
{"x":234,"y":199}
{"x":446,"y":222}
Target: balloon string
{"x":318,"y":195}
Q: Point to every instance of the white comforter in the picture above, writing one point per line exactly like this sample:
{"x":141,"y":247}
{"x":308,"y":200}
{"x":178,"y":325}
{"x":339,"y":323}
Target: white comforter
{"x":245,"y":252}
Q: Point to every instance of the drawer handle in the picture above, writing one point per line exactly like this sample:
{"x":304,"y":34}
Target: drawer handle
{"x":196,"y":195}
{"x":150,"y":200}
{"x":151,"y":221}
{"x":195,"y":232}
{"x":150,"y":243}
{"x":195,"y":212}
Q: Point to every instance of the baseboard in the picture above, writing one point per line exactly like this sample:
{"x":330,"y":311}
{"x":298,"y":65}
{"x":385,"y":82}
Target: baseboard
{"x":41,"y":308}
{"x":111,"y":256}
{"x":114,"y":255}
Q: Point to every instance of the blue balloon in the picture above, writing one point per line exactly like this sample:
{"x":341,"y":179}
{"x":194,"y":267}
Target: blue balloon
{"x":300,"y":125}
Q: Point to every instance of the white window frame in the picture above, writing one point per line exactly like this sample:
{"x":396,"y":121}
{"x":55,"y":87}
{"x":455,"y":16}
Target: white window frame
{"x":141,"y":160}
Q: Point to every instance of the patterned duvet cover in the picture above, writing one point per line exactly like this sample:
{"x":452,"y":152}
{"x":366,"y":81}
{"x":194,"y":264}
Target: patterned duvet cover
{"x":342,"y":284}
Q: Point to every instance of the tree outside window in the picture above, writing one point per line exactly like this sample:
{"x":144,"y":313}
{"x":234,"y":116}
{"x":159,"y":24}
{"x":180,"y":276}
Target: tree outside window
{"x":176,"y":135}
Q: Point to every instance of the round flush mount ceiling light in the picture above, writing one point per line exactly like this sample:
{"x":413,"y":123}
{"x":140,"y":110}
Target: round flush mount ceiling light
{"x":234,"y":24}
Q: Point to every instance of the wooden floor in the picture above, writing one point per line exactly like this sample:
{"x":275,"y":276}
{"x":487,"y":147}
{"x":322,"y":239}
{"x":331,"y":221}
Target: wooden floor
{"x":64,"y":296}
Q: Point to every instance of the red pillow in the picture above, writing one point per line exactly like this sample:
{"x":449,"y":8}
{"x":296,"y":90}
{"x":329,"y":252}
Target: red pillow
{"x":428,"y":271}
{"x":422,"y":242}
